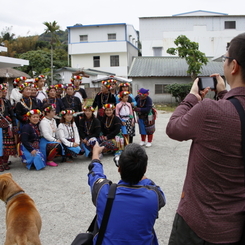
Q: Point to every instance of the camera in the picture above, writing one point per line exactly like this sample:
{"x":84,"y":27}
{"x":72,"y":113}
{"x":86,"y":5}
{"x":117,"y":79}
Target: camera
{"x":205,"y":82}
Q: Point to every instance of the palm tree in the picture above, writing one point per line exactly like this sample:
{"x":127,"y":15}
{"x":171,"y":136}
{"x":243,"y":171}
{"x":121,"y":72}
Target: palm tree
{"x":52,"y":28}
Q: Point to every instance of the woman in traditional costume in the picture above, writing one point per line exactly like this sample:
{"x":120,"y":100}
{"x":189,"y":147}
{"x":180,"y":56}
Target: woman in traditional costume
{"x":102,"y":98}
{"x":125,"y":112}
{"x":68,"y":135}
{"x":26,"y":103}
{"x":30,"y":140}
{"x":59,"y":91}
{"x":126,"y":87}
{"x":89,"y":129}
{"x":34,"y":90}
{"x":111,"y":128}
{"x":146,"y":116}
{"x":40,"y":82}
{"x":15,"y":95}
{"x":7,"y":130}
{"x":50,"y":145}
{"x":80,"y":93}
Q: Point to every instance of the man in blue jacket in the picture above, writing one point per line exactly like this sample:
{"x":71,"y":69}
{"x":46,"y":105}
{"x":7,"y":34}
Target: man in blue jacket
{"x":137,"y":200}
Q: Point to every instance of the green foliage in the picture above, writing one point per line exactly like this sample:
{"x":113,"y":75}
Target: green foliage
{"x":179,"y":91}
{"x":190,"y":51}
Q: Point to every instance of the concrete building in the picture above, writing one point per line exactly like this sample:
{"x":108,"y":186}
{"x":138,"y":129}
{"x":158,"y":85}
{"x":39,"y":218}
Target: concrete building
{"x":211,"y":30}
{"x":106,"y":47}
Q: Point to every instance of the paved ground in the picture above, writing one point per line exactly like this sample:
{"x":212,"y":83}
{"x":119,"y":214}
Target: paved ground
{"x":62,"y":194}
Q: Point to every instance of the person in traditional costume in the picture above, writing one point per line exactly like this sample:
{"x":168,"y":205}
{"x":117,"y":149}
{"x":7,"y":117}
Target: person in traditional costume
{"x":7,"y":130}
{"x":72,"y":102}
{"x":59,"y":91}
{"x":102,"y":98}
{"x":146,"y":118}
{"x":30,"y":142}
{"x":52,"y":99}
{"x":80,"y":93}
{"x":113,"y":88}
{"x":50,"y":145}
{"x":125,"y":112}
{"x":34,"y":90}
{"x":15,"y":95}
{"x":126,"y":87}
{"x":89,"y":129}
{"x":111,"y":130}
{"x":25,"y":104}
{"x":68,"y":134}
{"x":40,"y":82}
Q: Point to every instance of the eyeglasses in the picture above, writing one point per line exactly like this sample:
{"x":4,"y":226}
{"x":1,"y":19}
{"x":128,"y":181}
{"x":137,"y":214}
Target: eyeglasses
{"x":226,"y":57}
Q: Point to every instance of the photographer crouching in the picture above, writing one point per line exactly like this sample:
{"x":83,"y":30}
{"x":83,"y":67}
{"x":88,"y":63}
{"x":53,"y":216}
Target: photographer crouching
{"x":137,"y":199}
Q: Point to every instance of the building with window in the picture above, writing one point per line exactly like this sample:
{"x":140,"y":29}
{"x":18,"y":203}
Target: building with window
{"x":106,"y":47}
{"x":211,"y":30}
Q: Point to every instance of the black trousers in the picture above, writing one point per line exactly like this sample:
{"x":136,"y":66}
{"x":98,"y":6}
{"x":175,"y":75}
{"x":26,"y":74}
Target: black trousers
{"x":182,"y":234}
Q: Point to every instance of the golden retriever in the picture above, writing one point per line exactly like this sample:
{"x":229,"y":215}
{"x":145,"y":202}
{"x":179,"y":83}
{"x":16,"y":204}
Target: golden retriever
{"x":23,"y":222}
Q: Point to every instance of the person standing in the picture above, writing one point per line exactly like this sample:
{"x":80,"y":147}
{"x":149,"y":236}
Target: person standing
{"x":212,"y":205}
{"x":41,"y":93}
{"x":80,"y":93}
{"x":146,"y":118}
{"x":15,"y":94}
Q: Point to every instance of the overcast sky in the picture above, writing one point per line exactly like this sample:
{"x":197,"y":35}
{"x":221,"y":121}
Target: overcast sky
{"x":26,"y":17}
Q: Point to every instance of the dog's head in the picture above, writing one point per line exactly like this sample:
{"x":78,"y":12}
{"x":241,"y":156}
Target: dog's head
{"x":7,"y":186}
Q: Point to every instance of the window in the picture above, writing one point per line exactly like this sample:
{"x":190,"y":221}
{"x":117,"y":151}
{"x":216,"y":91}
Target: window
{"x":96,"y":61}
{"x":230,"y":24}
{"x":83,"y":38}
{"x":114,"y":60}
{"x":160,"y":88}
{"x":112,"y":36}
{"x":157,"y":51}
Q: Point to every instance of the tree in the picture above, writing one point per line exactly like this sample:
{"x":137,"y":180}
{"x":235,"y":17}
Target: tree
{"x":179,"y":91}
{"x":190,"y":51}
{"x":52,"y":28}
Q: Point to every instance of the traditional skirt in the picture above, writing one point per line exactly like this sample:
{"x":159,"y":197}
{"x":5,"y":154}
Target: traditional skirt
{"x":146,"y":127}
{"x":51,"y":149}
{"x":8,"y":143}
{"x":87,"y":148}
{"x":71,"y":151}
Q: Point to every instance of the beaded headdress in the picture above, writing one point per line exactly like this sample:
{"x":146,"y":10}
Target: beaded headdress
{"x":64,"y":112}
{"x":124,"y":85}
{"x":70,"y":85}
{"x":34,"y":111}
{"x":88,"y":108}
{"x":106,"y":106}
{"x":18,"y":79}
{"x":59,"y":86}
{"x":39,"y":77}
{"x":123,"y":93}
{"x":73,"y":78}
{"x":49,"y":108}
{"x":23,"y":86}
{"x":107,"y":84}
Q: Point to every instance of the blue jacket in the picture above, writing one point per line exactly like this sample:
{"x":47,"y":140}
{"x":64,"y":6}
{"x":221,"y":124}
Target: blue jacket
{"x":134,"y":209}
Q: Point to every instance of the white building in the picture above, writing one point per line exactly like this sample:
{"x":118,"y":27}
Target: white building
{"x":106,"y":47}
{"x":213,"y":31}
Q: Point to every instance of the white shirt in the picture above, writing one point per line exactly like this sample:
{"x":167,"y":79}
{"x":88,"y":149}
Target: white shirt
{"x":41,"y":95}
{"x":15,"y":96}
{"x":68,"y":132}
{"x":48,"y":129}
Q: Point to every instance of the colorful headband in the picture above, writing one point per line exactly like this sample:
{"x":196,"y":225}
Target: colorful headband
{"x":23,"y":86}
{"x":111,"y":106}
{"x":112,"y":81}
{"x":2,"y":87}
{"x":39,"y":77}
{"x":33,"y":85}
{"x":49,"y":108}
{"x":124,"y":85}
{"x":51,"y":87}
{"x":64,"y":112}
{"x":18,"y":79}
{"x":70,"y":85}
{"x":107,"y":84}
{"x":76,"y":78}
{"x":59,"y":86}
{"x":88,"y":108}
{"x":34,"y":111}
{"x":123,"y":93}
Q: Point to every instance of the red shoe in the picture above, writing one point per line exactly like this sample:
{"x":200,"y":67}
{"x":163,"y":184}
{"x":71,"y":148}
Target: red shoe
{"x":6,"y":167}
{"x":52,"y":164}
{"x":1,"y":168}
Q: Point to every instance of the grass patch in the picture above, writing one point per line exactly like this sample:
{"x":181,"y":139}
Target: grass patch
{"x":165,"y":107}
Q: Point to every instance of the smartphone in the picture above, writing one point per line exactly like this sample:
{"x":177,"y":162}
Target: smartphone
{"x":205,"y":82}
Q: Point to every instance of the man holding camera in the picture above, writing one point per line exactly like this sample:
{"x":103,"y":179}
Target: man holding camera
{"x":137,"y":200}
{"x":212,"y":205}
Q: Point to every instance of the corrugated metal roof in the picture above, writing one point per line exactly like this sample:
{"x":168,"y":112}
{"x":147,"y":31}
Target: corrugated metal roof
{"x":168,"y":67}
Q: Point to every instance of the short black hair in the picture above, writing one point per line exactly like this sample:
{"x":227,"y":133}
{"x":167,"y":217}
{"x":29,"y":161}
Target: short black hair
{"x":133,"y":163}
{"x":237,"y":51}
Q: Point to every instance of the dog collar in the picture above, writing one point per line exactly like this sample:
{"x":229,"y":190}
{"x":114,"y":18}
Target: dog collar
{"x":9,"y":198}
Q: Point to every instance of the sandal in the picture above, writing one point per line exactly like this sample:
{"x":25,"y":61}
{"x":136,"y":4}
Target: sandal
{"x":6,"y":167}
{"x":1,"y":168}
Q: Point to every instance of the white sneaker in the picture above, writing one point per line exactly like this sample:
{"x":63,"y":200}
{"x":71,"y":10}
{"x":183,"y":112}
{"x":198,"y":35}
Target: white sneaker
{"x":142,"y":143}
{"x":148,"y":144}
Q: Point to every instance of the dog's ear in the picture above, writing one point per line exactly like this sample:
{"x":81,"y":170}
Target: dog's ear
{"x":10,"y":175}
{"x":2,"y":186}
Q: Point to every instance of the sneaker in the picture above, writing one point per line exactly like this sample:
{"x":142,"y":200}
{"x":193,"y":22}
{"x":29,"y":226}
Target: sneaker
{"x":142,"y":143}
{"x":148,"y":144}
{"x":52,"y":164}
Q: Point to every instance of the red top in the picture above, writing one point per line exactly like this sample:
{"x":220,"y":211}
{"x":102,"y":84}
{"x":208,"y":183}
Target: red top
{"x":213,"y":198}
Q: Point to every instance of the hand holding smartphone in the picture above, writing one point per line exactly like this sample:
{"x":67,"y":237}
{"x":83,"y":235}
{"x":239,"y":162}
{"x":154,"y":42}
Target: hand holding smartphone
{"x":205,"y":82}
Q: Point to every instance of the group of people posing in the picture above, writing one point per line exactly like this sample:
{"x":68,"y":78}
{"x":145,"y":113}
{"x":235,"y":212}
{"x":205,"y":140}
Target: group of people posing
{"x":39,"y":124}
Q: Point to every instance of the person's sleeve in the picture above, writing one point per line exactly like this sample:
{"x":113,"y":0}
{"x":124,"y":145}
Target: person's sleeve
{"x":116,"y":129}
{"x":84,"y":94}
{"x":95,"y":104}
{"x":61,"y":136}
{"x":188,"y":119}
{"x":62,"y":107}
{"x":147,"y":107}
{"x":97,"y":129}
{"x":76,"y":134}
{"x":24,"y":138}
{"x":96,"y":179}
{"x":18,"y":113}
{"x":133,"y":100}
